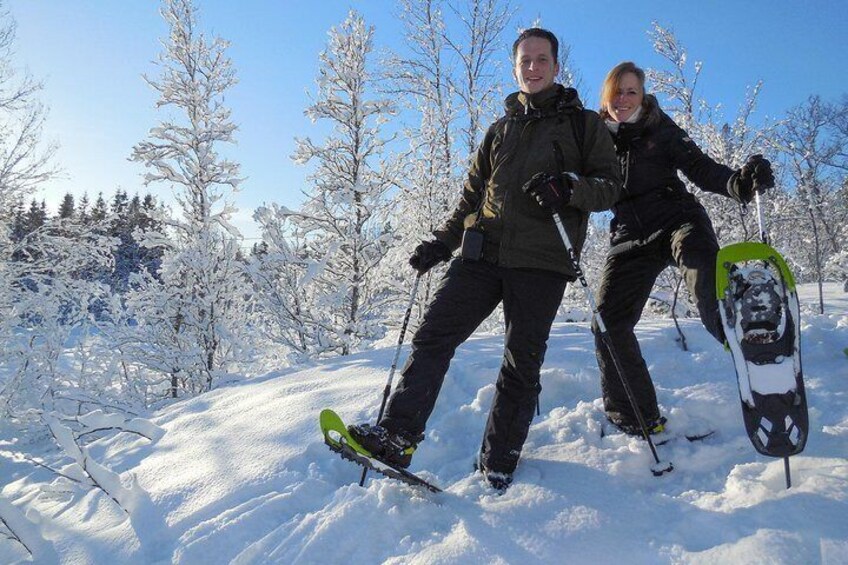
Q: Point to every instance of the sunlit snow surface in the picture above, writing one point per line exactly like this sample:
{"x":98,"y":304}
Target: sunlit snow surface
{"x":242,"y":475}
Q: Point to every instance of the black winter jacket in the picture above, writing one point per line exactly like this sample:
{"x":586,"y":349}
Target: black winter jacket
{"x":535,"y":135}
{"x":650,"y":152}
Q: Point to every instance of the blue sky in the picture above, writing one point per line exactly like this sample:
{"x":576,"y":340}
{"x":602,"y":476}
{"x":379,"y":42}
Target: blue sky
{"x":92,"y":53}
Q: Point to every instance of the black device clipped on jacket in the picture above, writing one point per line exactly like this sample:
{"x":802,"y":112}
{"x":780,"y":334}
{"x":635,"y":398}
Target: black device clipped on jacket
{"x":472,"y":244}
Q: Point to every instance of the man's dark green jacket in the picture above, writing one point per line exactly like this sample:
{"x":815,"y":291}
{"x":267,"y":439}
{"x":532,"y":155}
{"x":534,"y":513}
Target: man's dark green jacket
{"x":538,"y":133}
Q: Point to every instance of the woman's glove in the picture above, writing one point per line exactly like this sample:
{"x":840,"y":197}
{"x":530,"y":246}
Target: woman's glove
{"x":754,"y":176}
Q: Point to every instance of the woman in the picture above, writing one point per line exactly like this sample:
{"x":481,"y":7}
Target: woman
{"x":657,"y":223}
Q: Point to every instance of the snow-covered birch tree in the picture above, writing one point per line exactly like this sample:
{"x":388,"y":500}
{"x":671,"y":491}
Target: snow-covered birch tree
{"x":814,"y":149}
{"x":290,"y":312}
{"x":45,"y":297}
{"x":190,"y":316}
{"x":343,"y":218}
{"x":729,"y":143}
{"x":25,"y":161}
{"x":433,"y":166}
{"x":447,"y":76}
{"x":479,"y":50}
{"x":47,"y":300}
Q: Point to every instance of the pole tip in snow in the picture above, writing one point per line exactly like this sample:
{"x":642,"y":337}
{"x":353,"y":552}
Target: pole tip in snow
{"x":660,"y":468}
{"x":786,"y":471}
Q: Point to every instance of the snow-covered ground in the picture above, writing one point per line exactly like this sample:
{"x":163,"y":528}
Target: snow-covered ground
{"x":241,"y":474}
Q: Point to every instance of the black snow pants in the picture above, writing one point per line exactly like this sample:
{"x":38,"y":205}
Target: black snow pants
{"x":468,"y":293}
{"x":625,"y":287}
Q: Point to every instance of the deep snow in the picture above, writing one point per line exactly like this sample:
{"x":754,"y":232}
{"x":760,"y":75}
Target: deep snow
{"x":241,"y":474}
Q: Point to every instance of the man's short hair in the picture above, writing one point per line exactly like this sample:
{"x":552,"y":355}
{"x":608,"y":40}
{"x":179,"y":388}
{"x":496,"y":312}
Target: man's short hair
{"x":537,"y":32}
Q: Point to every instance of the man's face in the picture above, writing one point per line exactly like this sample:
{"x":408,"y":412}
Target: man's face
{"x":535,"y":69}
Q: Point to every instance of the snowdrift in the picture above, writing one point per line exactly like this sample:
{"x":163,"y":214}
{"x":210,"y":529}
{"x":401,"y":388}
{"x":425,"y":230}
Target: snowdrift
{"x":241,"y":474}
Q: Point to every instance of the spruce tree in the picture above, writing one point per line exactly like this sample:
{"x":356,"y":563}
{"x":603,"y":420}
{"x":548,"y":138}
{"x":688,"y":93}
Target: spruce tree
{"x":66,"y":208}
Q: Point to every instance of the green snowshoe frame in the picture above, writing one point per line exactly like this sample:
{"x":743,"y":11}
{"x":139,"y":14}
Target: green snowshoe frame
{"x":748,"y":251}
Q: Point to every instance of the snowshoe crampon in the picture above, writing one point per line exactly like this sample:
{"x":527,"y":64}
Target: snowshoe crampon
{"x":758,"y":304}
{"x":338,"y":439}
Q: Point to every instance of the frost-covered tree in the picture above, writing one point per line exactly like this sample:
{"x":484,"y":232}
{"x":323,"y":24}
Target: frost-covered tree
{"x":191,"y":315}
{"x":42,"y":296}
{"x":46,"y":293}
{"x":25,"y":161}
{"x":479,"y":50}
{"x":445,"y":73}
{"x":290,"y":312}
{"x":814,"y":149}
{"x":46,"y":301}
{"x":433,"y":166}
{"x":343,"y":218}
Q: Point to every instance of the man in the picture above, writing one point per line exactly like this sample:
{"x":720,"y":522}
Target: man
{"x":546,"y":155}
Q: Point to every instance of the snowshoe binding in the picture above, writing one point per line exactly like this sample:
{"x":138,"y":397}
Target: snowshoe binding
{"x":655,"y":427}
{"x":339,"y":439}
{"x":392,"y":449}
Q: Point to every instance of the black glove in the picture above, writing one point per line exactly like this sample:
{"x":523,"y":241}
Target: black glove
{"x":428,"y":254}
{"x":549,"y":191}
{"x":754,"y":176}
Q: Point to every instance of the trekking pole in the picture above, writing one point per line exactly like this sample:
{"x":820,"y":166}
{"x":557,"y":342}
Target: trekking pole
{"x":388,"y":388}
{"x":761,"y":219}
{"x":659,"y":467}
{"x":761,"y":222}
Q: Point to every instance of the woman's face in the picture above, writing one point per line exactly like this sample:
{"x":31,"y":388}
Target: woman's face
{"x":627,"y":99}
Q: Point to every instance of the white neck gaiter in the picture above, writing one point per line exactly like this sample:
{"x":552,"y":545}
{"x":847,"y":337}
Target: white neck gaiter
{"x":612,"y":125}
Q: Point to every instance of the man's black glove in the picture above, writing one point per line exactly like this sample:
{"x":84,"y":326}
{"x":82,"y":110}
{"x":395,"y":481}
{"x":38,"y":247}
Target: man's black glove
{"x":428,"y":254}
{"x":754,"y":176}
{"x":549,"y":191}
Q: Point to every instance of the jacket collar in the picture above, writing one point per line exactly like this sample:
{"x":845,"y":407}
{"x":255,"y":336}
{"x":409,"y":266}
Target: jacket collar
{"x":550,"y":100}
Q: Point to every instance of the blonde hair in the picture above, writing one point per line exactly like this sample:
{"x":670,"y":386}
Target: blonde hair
{"x":610,"y":88}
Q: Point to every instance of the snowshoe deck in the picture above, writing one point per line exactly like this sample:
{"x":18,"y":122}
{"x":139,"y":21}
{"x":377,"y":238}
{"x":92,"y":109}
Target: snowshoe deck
{"x":759,"y":309}
{"x":340,"y":441}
